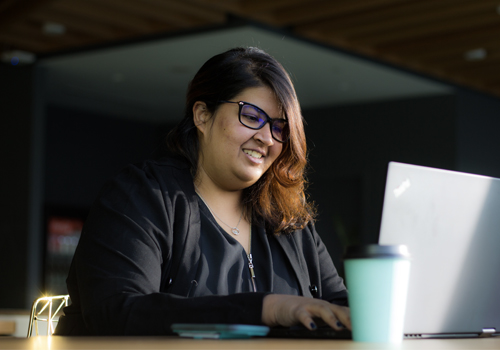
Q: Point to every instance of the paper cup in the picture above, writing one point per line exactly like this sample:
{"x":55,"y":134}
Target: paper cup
{"x":377,"y":280}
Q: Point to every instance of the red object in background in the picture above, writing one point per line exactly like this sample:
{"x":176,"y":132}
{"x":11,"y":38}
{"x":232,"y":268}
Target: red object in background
{"x":63,"y":234}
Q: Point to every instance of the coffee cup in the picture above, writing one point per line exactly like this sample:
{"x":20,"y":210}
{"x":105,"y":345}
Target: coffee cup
{"x":377,"y":279}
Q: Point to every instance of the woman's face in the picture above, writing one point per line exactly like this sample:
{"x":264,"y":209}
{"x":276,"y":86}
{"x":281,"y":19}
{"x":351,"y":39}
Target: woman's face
{"x":233,"y":156}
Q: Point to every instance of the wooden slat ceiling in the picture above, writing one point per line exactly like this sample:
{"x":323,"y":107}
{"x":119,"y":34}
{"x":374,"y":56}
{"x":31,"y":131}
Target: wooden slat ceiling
{"x":434,"y":37}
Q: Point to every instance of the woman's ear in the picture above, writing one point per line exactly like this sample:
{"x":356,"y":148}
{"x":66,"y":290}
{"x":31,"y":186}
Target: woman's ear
{"x":201,"y":115}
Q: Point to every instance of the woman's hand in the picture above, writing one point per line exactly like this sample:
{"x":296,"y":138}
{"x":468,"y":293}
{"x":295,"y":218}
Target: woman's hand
{"x":289,"y":310}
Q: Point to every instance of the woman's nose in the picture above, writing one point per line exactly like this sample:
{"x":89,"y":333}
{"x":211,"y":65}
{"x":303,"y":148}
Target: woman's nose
{"x":264,"y":135}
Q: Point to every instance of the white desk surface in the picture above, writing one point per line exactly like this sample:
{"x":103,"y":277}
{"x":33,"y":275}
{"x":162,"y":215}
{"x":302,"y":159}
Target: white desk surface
{"x":126,"y":343}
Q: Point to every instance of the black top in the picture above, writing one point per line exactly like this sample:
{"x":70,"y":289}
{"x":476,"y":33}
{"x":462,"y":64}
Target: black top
{"x":142,"y":246}
{"x":223,"y":259}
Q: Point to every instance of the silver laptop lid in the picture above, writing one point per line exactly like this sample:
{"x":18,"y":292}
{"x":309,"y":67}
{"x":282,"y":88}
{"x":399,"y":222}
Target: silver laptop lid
{"x":450,"y":222}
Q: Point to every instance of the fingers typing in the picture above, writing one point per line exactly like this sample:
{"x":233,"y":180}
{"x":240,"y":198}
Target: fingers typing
{"x":291,"y":310}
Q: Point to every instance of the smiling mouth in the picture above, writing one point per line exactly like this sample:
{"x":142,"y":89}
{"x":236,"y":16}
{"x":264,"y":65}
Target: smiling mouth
{"x":253,"y":153}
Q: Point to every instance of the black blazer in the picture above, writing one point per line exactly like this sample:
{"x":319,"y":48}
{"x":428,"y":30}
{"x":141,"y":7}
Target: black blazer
{"x":137,"y":254}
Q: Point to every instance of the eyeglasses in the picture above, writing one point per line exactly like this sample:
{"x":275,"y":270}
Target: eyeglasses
{"x":255,"y":118}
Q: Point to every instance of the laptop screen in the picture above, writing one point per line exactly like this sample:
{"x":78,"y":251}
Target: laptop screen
{"x":450,"y":222}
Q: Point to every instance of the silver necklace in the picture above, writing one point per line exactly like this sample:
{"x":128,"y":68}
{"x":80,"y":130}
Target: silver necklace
{"x":234,"y":230}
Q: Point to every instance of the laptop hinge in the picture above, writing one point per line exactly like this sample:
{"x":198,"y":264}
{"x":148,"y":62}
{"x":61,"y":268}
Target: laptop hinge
{"x":487,"y":332}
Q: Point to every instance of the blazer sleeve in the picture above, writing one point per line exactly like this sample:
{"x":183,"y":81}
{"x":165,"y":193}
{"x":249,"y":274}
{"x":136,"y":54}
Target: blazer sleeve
{"x":119,"y":267}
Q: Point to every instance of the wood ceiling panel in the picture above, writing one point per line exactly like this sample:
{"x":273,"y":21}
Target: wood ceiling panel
{"x":11,"y":11}
{"x":198,"y":14}
{"x":458,"y":54}
{"x":318,"y":10}
{"x":33,"y":39}
{"x":97,"y":13}
{"x":419,"y":18}
{"x":158,"y":19}
{"x":435,"y":44}
{"x":193,"y":9}
{"x":428,"y":36}
{"x":401,"y":10}
{"x":456,"y":57}
{"x":20,"y":42}
{"x":428,"y":29}
{"x":259,"y":7}
{"x":70,"y":38}
{"x":230,"y":6}
{"x":74,"y":24}
{"x":485,"y":67}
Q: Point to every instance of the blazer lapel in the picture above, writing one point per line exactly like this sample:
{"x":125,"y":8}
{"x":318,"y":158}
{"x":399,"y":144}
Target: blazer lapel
{"x":295,"y":256}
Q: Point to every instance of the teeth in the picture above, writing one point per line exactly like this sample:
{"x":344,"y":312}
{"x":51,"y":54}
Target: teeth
{"x":253,"y":153}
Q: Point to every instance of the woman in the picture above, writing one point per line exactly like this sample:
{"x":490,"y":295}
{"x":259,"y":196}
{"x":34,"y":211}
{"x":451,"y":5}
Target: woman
{"x":219,"y":233}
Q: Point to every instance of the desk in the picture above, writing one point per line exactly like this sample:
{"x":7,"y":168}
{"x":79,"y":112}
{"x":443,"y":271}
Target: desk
{"x":129,"y":343}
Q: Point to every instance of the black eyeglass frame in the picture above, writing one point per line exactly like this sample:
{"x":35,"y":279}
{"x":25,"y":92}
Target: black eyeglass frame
{"x":269,"y":120}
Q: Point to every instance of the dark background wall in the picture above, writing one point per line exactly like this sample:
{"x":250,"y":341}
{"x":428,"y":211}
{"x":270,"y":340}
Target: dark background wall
{"x":15,"y":147}
{"x":478,"y":139}
{"x":350,"y":148}
{"x":85,"y":149}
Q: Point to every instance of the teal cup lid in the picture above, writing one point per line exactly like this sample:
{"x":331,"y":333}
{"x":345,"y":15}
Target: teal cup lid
{"x":368,"y":251}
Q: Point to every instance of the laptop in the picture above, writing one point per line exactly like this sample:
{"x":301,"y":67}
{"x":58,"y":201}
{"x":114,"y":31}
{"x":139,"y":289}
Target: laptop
{"x":450,"y":222}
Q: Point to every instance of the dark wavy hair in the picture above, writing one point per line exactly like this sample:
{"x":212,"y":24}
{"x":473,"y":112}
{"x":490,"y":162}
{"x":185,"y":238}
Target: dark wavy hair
{"x":278,"y":197}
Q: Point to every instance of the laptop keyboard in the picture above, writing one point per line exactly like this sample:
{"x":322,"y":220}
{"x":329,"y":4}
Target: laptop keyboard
{"x":300,"y":332}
